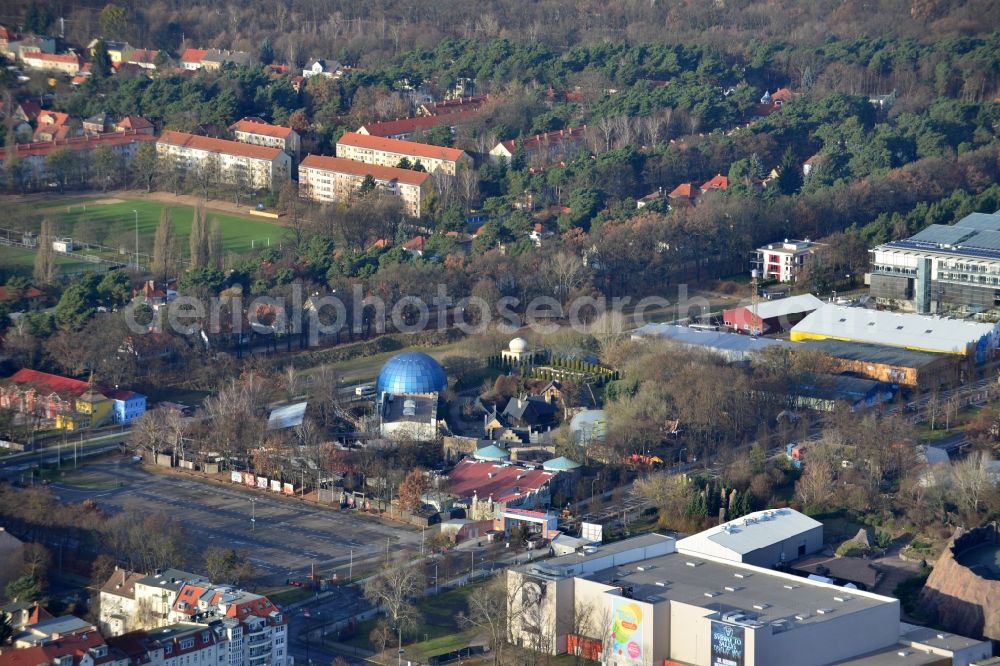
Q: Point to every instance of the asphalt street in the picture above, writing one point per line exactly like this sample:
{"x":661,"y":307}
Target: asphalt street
{"x":282,"y":537}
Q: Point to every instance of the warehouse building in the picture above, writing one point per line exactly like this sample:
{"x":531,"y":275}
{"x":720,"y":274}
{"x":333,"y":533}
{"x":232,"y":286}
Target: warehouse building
{"x":915,"y":369}
{"x":941,"y":267}
{"x":762,"y":538}
{"x":733,"y":347}
{"x":771,"y":316}
{"x":624,"y":606}
{"x":893,"y":329}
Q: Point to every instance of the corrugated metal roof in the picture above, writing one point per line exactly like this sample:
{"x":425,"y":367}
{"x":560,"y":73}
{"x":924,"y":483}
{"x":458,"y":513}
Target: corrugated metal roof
{"x":730,"y":343}
{"x":782,"y":307}
{"x":287,"y":417}
{"x":893,"y":329}
{"x":754,"y":531}
{"x":869,"y":353}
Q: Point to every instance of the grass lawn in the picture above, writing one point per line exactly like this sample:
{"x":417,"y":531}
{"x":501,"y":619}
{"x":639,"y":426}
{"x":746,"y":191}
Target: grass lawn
{"x":285,"y":595}
{"x":957,"y":425}
{"x":438,"y":633}
{"x":239,"y":234}
{"x":22,"y":260}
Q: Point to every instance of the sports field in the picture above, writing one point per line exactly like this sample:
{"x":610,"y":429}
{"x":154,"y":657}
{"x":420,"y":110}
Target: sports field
{"x":21,"y":260}
{"x":116,"y":216}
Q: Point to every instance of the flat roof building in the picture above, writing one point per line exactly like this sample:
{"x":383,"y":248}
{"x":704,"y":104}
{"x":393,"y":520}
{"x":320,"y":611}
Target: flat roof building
{"x":784,"y":261}
{"x":895,"y":365}
{"x":893,"y":329}
{"x":941,"y":267}
{"x":772,"y":316}
{"x":642,"y":602}
{"x":731,"y":346}
{"x":762,"y":538}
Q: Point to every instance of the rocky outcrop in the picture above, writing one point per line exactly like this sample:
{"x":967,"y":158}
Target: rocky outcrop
{"x":959,"y":599}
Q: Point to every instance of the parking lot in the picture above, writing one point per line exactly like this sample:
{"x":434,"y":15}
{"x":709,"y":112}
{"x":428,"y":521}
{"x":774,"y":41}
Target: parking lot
{"x":285,"y":539}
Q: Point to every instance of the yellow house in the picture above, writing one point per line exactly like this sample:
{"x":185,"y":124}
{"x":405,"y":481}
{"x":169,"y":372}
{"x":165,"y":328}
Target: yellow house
{"x":91,"y":409}
{"x":117,"y":51}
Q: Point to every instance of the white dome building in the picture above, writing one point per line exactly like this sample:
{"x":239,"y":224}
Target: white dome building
{"x":517,"y":352}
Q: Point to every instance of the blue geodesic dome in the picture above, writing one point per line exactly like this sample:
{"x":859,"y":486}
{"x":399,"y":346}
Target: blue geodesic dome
{"x":411,"y":372}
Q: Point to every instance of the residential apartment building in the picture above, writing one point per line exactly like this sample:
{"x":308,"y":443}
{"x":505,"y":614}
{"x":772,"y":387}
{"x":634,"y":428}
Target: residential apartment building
{"x":544,"y":147}
{"x":388,"y":152}
{"x":942,"y":267}
{"x":217,"y":625}
{"x":35,"y":171}
{"x":64,"y":63}
{"x":335,"y":179}
{"x":257,"y":133}
{"x":784,"y":261}
{"x":256,"y":167}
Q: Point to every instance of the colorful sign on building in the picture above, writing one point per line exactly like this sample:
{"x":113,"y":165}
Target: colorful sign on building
{"x":727,"y":644}
{"x":626,"y":632}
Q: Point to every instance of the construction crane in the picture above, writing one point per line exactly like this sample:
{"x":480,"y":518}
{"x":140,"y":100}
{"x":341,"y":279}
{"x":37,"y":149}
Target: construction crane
{"x":754,"y":302}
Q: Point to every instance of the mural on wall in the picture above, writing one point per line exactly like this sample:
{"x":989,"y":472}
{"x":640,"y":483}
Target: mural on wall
{"x":626,"y":632}
{"x":727,"y":645}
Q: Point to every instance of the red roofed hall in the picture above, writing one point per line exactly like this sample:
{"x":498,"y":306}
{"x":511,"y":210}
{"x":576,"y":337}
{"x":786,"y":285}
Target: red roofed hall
{"x":510,"y":485}
{"x":335,"y":179}
{"x":405,"y":128}
{"x":389,"y":152}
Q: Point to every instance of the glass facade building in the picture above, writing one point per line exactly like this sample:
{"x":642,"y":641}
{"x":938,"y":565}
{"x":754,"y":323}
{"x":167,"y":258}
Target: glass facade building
{"x":411,"y":372}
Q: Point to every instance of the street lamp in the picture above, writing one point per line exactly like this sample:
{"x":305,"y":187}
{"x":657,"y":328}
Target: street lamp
{"x":592,"y":482}
{"x":136,"y":213}
{"x":253,"y":514}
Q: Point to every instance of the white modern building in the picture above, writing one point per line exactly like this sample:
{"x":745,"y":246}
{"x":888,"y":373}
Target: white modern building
{"x":255,"y":167}
{"x":784,"y":261}
{"x":943,"y":266}
{"x":411,"y":416}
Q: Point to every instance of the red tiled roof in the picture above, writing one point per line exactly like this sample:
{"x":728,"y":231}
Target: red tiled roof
{"x":548,"y":138}
{"x":452,"y":106}
{"x":134,"y":123}
{"x":50,"y":383}
{"x":260,"y":606}
{"x":717,"y":182}
{"x":75,"y":646}
{"x":409,"y":148}
{"x":54,"y":118}
{"x":782,"y":95}
{"x":411,"y":125}
{"x":30,"y":292}
{"x":193,"y":55}
{"x":121,"y":394}
{"x":143,"y":55}
{"x":472,"y":477}
{"x":416,"y":243}
{"x":211,"y":145}
{"x":53,"y":57}
{"x":264,"y":129}
{"x":43,"y":148}
{"x":682,"y":191}
{"x":355,"y":168}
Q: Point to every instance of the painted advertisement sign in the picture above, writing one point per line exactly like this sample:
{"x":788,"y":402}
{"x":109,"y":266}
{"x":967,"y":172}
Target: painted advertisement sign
{"x":626,"y":632}
{"x":727,"y":645}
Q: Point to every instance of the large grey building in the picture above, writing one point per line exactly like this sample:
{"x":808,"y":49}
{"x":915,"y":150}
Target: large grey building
{"x":942,"y":267}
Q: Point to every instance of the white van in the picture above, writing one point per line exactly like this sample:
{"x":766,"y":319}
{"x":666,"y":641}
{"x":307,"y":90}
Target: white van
{"x":365,"y":391}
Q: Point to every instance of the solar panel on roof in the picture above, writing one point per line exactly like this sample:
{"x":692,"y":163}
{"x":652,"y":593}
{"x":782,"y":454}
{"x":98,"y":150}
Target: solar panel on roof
{"x":980,"y":222}
{"x":942,"y":234}
{"x":987,"y":240}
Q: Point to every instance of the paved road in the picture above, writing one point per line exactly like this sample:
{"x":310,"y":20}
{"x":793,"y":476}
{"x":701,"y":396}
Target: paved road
{"x":286,"y":538}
